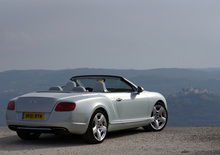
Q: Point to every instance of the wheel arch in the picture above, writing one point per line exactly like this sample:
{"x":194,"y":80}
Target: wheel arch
{"x":150,"y":127}
{"x":89,"y":136}
{"x":103,"y":109}
{"x":161,"y":102}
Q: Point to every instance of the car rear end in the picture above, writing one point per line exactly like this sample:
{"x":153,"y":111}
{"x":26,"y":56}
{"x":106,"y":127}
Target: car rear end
{"x":43,"y":114}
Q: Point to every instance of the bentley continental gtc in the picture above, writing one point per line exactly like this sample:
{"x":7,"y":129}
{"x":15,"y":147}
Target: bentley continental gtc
{"x":89,"y":105}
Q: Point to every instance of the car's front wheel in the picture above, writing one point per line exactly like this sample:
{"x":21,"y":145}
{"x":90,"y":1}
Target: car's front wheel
{"x":160,"y":117}
{"x":98,"y":128}
{"x":26,"y":135}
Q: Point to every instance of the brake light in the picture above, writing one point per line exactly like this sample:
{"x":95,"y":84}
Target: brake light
{"x":65,"y":106}
{"x":11,"y":105}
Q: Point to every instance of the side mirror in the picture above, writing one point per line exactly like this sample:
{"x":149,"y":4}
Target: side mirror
{"x":140,"y":89}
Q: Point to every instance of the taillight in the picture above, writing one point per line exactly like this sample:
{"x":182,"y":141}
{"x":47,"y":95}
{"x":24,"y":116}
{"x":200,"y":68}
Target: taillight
{"x":65,"y":106}
{"x":11,"y":105}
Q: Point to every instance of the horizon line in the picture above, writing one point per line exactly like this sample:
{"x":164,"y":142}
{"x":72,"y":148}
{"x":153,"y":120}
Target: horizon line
{"x":94,"y":68}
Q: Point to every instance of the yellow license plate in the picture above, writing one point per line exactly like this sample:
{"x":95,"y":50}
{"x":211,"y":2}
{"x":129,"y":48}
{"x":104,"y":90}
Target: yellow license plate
{"x":33,"y":115}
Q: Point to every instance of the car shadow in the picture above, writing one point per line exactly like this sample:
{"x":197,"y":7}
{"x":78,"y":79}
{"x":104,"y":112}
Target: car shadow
{"x":13,"y":142}
{"x":45,"y":141}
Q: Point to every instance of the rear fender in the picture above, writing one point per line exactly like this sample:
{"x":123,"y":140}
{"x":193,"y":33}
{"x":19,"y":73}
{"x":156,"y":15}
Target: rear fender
{"x":84,"y":109}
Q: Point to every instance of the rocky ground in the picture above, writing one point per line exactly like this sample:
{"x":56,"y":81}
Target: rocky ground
{"x":172,"y":140}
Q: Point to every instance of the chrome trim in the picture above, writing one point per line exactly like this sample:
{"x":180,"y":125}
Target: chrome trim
{"x":131,"y":120}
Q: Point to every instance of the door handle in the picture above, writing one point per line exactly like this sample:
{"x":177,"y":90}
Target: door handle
{"x":118,"y":99}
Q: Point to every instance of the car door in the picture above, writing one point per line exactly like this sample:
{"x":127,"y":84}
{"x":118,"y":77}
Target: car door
{"x":129,"y":104}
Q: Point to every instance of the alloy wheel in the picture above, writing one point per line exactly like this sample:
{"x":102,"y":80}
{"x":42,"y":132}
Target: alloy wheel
{"x":99,"y":126}
{"x":159,"y":115}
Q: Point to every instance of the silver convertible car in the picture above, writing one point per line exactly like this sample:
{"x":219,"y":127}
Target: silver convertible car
{"x":90,"y":105}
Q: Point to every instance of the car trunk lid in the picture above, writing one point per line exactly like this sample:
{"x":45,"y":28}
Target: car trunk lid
{"x":35,"y":104}
{"x":39,"y":101}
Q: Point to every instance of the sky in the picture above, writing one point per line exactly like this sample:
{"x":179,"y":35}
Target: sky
{"x":117,"y":34}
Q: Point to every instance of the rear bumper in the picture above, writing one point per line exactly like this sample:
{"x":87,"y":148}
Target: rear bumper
{"x":55,"y":130}
{"x":58,"y":128}
{"x":75,"y":123}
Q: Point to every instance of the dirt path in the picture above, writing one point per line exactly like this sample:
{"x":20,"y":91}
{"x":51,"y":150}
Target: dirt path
{"x":172,"y":140}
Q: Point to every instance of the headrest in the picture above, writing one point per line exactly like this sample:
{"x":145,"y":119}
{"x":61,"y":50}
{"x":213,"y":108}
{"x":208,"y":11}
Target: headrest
{"x":69,"y":86}
{"x":57,"y":88}
{"x":99,"y":87}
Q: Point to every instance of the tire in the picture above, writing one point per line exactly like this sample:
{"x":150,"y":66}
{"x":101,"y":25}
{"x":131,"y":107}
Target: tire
{"x":97,"y":129}
{"x":160,"y":115}
{"x":26,"y":135}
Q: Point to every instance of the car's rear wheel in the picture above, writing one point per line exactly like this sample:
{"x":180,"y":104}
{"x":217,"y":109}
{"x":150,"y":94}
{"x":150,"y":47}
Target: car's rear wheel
{"x":98,"y":128}
{"x":27,"y":135}
{"x":160,"y":117}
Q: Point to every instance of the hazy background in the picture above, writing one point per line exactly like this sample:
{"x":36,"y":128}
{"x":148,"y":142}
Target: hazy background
{"x":58,"y":36}
{"x":123,"y":34}
{"x":193,"y":95}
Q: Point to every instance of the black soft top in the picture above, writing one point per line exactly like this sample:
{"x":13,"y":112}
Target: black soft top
{"x":85,"y":76}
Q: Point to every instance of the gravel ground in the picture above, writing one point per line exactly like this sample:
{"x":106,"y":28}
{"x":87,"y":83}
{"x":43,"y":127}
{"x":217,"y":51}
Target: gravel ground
{"x":172,"y":140}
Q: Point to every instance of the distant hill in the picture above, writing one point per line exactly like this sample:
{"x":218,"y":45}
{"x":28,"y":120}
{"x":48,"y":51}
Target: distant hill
{"x":167,"y":81}
{"x":195,"y":107}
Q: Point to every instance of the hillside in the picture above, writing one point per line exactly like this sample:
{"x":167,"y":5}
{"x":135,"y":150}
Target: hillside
{"x":185,"y":109}
{"x":195,"y":107}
